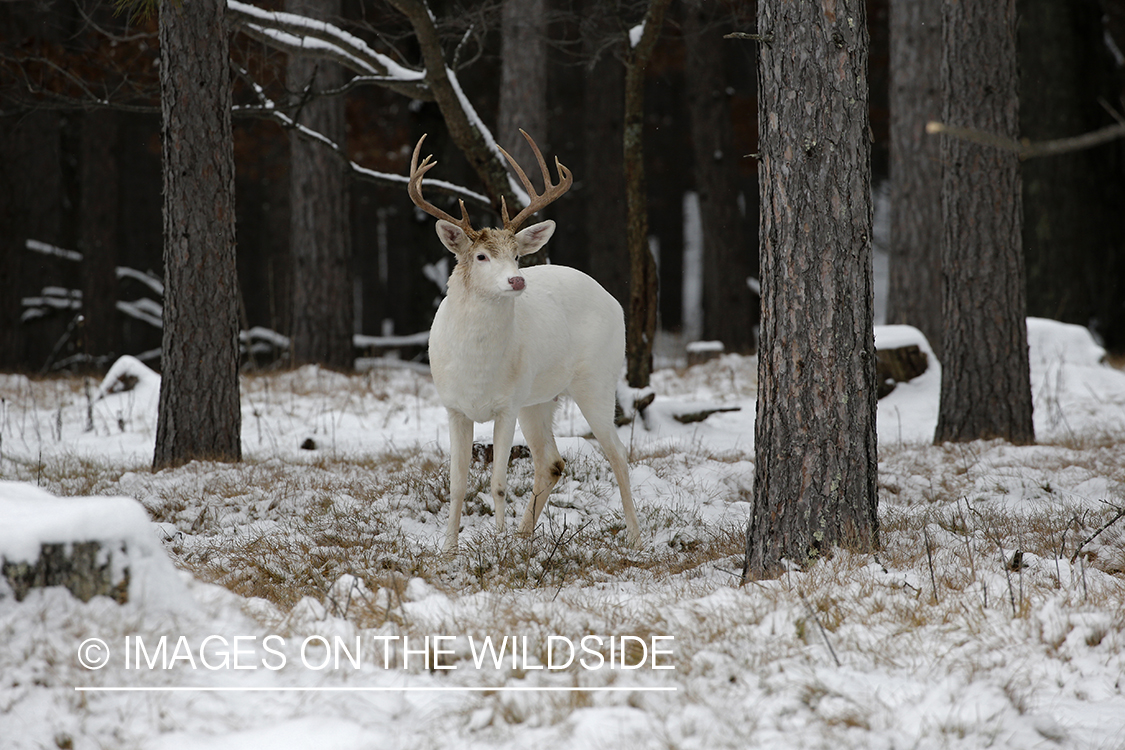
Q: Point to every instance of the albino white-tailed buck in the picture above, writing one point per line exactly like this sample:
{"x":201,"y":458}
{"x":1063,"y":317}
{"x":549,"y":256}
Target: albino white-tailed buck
{"x":506,"y":343}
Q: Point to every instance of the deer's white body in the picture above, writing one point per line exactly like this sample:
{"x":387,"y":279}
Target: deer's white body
{"x":505,"y":344}
{"x":487,"y":354}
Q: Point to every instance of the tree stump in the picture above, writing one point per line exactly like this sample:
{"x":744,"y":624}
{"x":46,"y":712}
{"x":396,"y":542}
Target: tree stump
{"x":894,"y":366}
{"x":699,"y":352}
{"x":82,"y":568}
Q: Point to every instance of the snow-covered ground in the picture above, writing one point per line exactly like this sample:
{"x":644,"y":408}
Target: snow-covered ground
{"x":994,"y":616}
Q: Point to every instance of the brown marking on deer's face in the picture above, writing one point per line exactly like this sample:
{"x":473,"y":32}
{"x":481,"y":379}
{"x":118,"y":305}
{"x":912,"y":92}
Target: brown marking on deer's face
{"x":488,"y":259}
{"x":489,"y":265}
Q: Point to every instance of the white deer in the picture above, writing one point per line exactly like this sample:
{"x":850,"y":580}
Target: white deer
{"x":506,"y":343}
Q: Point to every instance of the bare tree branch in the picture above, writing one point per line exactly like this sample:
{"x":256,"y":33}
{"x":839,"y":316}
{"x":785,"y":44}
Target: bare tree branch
{"x":466,"y":128}
{"x":296,"y":34}
{"x":1026,"y":149}
{"x":437,"y":82}
{"x":269,"y":109}
{"x":1117,"y":517}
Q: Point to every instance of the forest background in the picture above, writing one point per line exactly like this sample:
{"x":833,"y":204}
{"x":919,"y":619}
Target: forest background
{"x":84,"y":177}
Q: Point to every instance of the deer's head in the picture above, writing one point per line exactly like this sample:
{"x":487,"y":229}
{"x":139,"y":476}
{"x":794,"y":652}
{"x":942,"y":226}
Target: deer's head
{"x":488,"y":259}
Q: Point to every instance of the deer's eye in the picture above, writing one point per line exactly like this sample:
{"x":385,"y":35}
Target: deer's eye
{"x":482,"y":256}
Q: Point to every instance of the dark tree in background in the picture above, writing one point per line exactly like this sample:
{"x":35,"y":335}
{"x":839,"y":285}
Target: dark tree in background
{"x":31,"y":188}
{"x":443,"y":83}
{"x":97,"y":239}
{"x":199,"y":416}
{"x":730,"y":309}
{"x":30,"y":207}
{"x":914,"y":286}
{"x":1074,"y":257}
{"x":323,"y":318}
{"x":523,"y":86}
{"x":815,"y":439}
{"x":603,"y":132}
{"x":985,"y":381}
{"x":523,"y":78}
{"x":640,"y":314}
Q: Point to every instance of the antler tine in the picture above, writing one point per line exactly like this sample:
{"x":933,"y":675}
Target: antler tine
{"x":519,"y":170}
{"x":414,"y":188}
{"x":551,"y":191}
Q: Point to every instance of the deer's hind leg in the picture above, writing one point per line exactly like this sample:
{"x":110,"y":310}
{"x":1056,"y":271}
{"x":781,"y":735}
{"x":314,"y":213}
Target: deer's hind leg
{"x":595,"y":399}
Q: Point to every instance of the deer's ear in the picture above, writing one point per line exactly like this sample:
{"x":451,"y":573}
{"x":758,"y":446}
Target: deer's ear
{"x":534,"y":237}
{"x":452,"y":236}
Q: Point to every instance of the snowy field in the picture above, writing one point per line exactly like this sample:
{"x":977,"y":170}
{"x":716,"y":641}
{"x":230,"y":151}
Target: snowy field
{"x":302,"y":601}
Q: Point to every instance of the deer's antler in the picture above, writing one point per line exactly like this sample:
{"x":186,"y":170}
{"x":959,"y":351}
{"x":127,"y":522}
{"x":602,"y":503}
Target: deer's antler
{"x":417,"y":172}
{"x":551,"y":192}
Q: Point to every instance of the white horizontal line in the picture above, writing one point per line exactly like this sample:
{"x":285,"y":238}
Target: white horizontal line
{"x":447,"y":689}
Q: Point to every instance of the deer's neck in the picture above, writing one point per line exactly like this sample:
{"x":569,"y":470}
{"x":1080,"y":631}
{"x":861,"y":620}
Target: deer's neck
{"x":484,"y":324}
{"x":473,"y":351}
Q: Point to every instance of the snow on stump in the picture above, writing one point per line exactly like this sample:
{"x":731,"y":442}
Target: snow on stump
{"x":128,"y":397}
{"x":699,"y":352}
{"x":92,"y":546}
{"x":127,"y":374}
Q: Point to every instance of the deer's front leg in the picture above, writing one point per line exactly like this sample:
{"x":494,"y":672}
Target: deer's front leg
{"x":460,"y":452}
{"x":503,"y":432}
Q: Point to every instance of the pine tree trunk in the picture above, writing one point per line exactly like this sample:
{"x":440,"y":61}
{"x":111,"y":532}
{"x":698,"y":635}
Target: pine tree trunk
{"x":815,"y":439}
{"x":730,"y":309}
{"x":914,"y":289}
{"x":322,"y":314}
{"x":985,"y":384}
{"x":641,"y":313}
{"x":200,"y":416}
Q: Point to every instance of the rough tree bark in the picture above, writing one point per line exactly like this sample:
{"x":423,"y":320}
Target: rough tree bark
{"x":985,"y":381}
{"x":914,"y":288}
{"x":200,"y":416}
{"x":641,"y":313}
{"x":815,"y":440}
{"x":322,"y":311}
{"x":730,"y":309}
